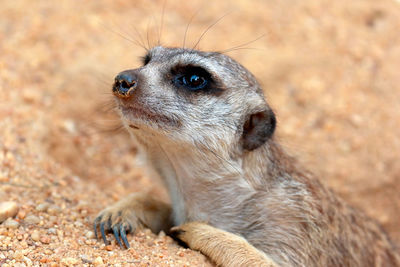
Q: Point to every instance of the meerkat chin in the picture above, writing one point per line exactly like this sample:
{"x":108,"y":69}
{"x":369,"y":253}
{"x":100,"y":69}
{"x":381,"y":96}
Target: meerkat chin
{"x":203,"y":123}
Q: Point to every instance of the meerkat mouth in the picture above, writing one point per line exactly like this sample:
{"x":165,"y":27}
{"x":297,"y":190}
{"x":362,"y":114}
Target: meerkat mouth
{"x":137,"y":116}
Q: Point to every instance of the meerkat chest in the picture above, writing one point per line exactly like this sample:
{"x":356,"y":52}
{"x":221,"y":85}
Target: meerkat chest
{"x":164,"y":169}
{"x":200,"y":190}
{"x":177,"y":198}
{"x":218,"y":201}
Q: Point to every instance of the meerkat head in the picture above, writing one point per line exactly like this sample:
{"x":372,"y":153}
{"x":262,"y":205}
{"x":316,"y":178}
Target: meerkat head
{"x":193,"y":97}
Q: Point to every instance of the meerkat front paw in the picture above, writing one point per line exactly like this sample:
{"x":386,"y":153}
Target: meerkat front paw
{"x":188,"y":233}
{"x":224,"y":248}
{"x":135,"y":211}
{"x":118,"y":219}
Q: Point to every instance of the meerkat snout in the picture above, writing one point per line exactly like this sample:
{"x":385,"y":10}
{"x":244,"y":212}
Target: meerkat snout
{"x":125,"y":83}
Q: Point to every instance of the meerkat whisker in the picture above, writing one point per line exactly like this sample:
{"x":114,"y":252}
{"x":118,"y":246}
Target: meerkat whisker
{"x":161,"y":22}
{"x":187,"y":28}
{"x":140,"y":36}
{"x":148,"y":34}
{"x":208,"y":28}
{"x":123,"y":36}
{"x":241,"y":46}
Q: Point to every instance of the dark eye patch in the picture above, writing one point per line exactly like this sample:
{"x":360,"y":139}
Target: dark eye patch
{"x":193,"y":79}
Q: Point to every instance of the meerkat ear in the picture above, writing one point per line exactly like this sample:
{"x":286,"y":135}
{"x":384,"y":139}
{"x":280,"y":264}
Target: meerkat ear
{"x":258,"y":128}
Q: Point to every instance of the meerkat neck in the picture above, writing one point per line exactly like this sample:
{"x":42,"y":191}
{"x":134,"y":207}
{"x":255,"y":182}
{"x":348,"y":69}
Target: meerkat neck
{"x":194,"y":164}
{"x":264,"y":166}
{"x":258,"y":169}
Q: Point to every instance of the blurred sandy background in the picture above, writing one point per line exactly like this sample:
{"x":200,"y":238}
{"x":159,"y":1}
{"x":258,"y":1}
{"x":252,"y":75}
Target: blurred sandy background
{"x":330,"y":69}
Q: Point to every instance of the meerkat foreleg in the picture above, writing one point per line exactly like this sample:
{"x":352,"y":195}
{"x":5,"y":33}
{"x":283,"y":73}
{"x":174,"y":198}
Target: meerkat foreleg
{"x":132,"y":212}
{"x":224,"y":248}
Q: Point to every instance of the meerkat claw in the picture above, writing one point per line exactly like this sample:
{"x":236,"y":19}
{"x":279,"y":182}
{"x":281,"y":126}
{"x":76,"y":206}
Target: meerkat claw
{"x":123,"y":236}
{"x":95,"y":225}
{"x":102,"y":229}
{"x":103,"y":233}
{"x":119,"y":230}
{"x":116,"y":234}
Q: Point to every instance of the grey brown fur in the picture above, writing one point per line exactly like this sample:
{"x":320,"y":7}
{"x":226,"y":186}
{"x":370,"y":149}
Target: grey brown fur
{"x":196,"y":143}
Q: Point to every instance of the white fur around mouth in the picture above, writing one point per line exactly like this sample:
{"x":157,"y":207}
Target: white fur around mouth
{"x":136,"y":116}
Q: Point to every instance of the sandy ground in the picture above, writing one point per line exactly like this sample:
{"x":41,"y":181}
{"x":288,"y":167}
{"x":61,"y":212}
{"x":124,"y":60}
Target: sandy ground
{"x":329,"y":69}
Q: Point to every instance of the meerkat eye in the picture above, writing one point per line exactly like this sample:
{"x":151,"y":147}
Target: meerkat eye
{"x":194,"y":81}
{"x":192,"y":78}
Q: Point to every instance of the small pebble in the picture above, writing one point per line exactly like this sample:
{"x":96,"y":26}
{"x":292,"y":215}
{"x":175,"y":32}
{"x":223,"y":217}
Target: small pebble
{"x":3,"y":178}
{"x":78,"y":224}
{"x":35,"y":235}
{"x":8,"y":209}
{"x":21,"y":214}
{"x":24,"y":244}
{"x":60,"y":234}
{"x":89,"y":234}
{"x":69,"y":261}
{"x":27,"y":261}
{"x":53,"y":209}
{"x":10,"y":223}
{"x":52,"y":231}
{"x":31,"y":96}
{"x":45,"y":239}
{"x":98,"y":261}
{"x":32,"y":219}
{"x":42,"y":207}
{"x":85,"y":259}
{"x":18,"y":255}
{"x":69,"y":126}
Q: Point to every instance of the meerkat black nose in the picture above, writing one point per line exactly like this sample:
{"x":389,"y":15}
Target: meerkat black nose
{"x":125,"y":83}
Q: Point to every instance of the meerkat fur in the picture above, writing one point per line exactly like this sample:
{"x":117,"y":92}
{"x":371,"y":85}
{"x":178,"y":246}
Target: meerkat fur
{"x":203,"y":123}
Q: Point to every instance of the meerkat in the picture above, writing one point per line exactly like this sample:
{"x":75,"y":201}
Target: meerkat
{"x":202,"y":121}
